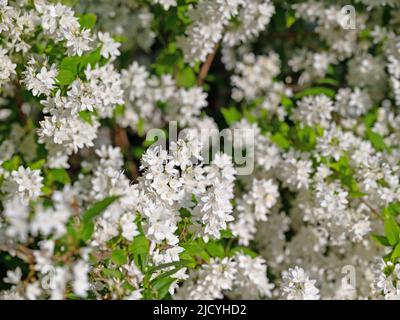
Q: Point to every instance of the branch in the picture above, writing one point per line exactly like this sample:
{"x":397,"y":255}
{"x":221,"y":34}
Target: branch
{"x":206,"y":66}
{"x":19,"y":101}
{"x":19,"y":251}
{"x":121,"y":140}
{"x":373,"y":210}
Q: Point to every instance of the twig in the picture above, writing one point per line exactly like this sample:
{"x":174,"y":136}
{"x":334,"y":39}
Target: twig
{"x":373,"y":210}
{"x":205,"y":68}
{"x":121,"y":140}
{"x":19,"y":100}
{"x":20,"y":251}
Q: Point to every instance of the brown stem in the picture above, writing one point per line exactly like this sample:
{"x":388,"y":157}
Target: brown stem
{"x":19,"y":100}
{"x":205,"y":68}
{"x":20,"y":251}
{"x":373,"y":210}
{"x":121,"y":140}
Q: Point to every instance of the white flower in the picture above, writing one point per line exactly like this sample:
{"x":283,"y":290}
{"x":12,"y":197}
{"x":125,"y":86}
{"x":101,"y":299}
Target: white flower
{"x":129,"y":227}
{"x":41,"y":82}
{"x":109,"y":47}
{"x":210,"y":281}
{"x":7,"y":68}
{"x":78,"y":42}
{"x":17,"y":214}
{"x":33,"y":291}
{"x":253,"y":18}
{"x":81,"y":282}
{"x":313,"y":111}
{"x":25,"y":183}
{"x":298,"y":286}
{"x":209,"y":18}
{"x":251,"y":281}
{"x":13,"y":276}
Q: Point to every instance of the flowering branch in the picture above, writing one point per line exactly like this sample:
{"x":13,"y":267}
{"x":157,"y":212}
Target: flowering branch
{"x":373,"y":210}
{"x":205,"y":68}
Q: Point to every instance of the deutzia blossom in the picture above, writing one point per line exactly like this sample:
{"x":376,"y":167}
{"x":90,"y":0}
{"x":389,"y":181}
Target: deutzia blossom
{"x":109,"y":47}
{"x":25,"y":183}
{"x":81,"y":283}
{"x":6,"y":66}
{"x":313,"y":111}
{"x":298,"y":286}
{"x":40,"y":81}
{"x":209,"y":19}
{"x":125,"y":126}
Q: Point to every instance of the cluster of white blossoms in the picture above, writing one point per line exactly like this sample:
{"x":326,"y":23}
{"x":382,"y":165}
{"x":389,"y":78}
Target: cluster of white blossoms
{"x":298,"y":285}
{"x":254,"y":207}
{"x":239,"y":276}
{"x":151,"y":101}
{"x":211,"y":23}
{"x":89,"y":209}
{"x":387,"y":280}
{"x":127,"y":19}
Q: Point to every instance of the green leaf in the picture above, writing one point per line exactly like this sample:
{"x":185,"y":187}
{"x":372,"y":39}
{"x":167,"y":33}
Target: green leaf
{"x":370,"y":119}
{"x":328,"y":81}
{"x":186,"y":78}
{"x":98,"y":208}
{"x":396,"y":252}
{"x":215,"y":249}
{"x":140,"y":127}
{"x":57,"y":175}
{"x":38,"y":164}
{"x":12,"y":164}
{"x":365,"y":34}
{"x":112,"y":273}
{"x":119,"y":110}
{"x":70,"y":63}
{"x":86,"y":116}
{"x":167,"y":61}
{"x":394,"y":208}
{"x":280,"y":140}
{"x":92,"y":58}
{"x":243,"y":250}
{"x":231,"y":115}
{"x":287,"y":103}
{"x":249,"y":116}
{"x":290,"y":20}
{"x":46,"y":190}
{"x":65,"y":77}
{"x":140,"y":247}
{"x":377,"y":140}
{"x":87,"y":227}
{"x":227,"y":234}
{"x":87,"y":231}
{"x":88,"y":21}
{"x":68,"y":70}
{"x":392,"y":230}
{"x":162,"y":286}
{"x":315,"y":91}
{"x":138,"y":152}
{"x":71,"y":231}
{"x":382,"y":240}
{"x":119,"y":257}
{"x":194,"y":249}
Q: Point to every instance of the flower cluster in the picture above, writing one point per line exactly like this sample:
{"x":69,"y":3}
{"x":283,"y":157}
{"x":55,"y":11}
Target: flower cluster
{"x":120,"y":167}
